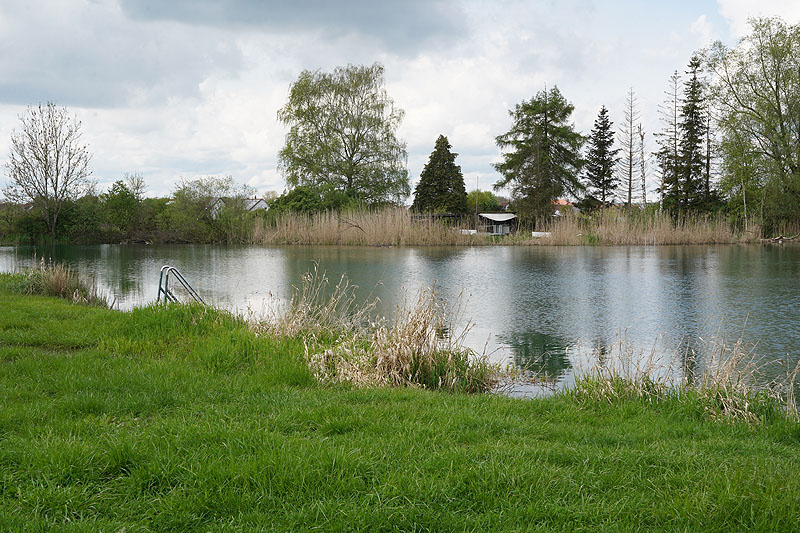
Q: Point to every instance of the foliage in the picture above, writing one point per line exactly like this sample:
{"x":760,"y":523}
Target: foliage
{"x":193,"y":213}
{"x":48,"y":165}
{"x":756,"y":90}
{"x":602,"y":159}
{"x":121,"y":206}
{"x":541,"y":159}
{"x":441,"y":185}
{"x":307,"y":200}
{"x":482,"y":201}
{"x":692,"y":130}
{"x":342,"y":135}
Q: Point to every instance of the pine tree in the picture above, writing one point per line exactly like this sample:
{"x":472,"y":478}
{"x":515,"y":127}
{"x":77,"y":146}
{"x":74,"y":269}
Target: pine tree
{"x":441,"y":186}
{"x":602,"y":158}
{"x":692,"y":127}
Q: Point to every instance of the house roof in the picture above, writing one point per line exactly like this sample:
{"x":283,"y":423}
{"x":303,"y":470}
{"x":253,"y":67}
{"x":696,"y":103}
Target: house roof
{"x":498,"y":217}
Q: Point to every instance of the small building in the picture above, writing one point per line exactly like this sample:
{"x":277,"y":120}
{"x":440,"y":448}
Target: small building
{"x":248,"y":204}
{"x":497,"y":223}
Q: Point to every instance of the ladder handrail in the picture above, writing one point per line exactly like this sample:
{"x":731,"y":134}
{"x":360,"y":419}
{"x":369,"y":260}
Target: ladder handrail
{"x":163,"y":286}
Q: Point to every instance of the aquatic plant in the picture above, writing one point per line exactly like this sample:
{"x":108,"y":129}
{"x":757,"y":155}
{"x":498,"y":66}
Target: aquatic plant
{"x":55,"y":279}
{"x":346,"y":342}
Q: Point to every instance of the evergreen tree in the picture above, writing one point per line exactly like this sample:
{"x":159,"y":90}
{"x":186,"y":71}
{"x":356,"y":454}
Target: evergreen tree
{"x":441,"y":185}
{"x":543,"y":160}
{"x":602,"y":158}
{"x":692,"y":128}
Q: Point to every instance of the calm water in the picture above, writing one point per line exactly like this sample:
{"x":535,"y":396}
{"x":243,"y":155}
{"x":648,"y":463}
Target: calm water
{"x":540,"y":307}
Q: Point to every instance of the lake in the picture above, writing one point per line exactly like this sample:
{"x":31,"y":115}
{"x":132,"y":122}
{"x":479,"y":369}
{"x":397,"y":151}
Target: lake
{"x":542,"y":308}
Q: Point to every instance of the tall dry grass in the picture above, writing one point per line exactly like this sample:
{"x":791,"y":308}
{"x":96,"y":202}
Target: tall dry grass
{"x":397,"y":227}
{"x":385,"y":227}
{"x":728,"y":385}
{"x":55,"y":279}
{"x":620,"y":227}
{"x":347,"y":343}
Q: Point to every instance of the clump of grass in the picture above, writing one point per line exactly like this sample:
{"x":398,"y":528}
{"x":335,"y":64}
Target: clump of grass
{"x":725,"y":389}
{"x":419,"y":347}
{"x":318,"y":309}
{"x":55,"y":279}
{"x":345,"y":343}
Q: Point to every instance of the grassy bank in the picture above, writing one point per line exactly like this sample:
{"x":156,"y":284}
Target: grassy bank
{"x":181,"y":418}
{"x":397,"y":227}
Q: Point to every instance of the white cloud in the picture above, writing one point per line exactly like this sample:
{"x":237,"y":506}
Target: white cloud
{"x":170,"y":92}
{"x":702,"y":28}
{"x":736,"y":12}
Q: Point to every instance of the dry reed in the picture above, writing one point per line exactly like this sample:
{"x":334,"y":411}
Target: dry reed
{"x":620,"y":227}
{"x":345,"y":343}
{"x":397,"y":227}
{"x":386,"y":227}
{"x":55,"y":279}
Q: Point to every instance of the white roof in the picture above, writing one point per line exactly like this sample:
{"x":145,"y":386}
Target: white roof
{"x":499,"y":217}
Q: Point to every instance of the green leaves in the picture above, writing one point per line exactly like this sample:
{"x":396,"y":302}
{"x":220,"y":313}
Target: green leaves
{"x":441,"y":185}
{"x":542,"y":153}
{"x":602,"y":158}
{"x":342,"y":136}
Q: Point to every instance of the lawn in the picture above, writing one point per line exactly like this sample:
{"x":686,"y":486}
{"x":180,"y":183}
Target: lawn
{"x":181,"y":419}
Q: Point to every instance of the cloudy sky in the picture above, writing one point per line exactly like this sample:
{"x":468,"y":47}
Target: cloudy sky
{"x":188,"y":88}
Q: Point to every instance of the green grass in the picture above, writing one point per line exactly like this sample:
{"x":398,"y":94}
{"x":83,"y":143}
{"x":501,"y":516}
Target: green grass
{"x":180,"y":419}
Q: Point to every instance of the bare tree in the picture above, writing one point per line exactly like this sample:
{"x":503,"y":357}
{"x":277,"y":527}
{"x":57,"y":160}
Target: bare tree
{"x":627,"y":138}
{"x":643,"y":163}
{"x":135,"y":183}
{"x":49,"y":164}
{"x":668,"y":140}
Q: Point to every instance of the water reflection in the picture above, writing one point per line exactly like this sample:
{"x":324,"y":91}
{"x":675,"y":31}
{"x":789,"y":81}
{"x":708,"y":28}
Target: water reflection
{"x":539,"y":353}
{"x":530,"y":305}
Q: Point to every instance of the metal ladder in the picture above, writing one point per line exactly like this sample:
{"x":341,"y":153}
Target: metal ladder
{"x":163,"y":286}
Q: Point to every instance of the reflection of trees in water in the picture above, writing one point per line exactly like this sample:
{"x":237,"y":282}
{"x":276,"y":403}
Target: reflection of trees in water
{"x":539,"y":353}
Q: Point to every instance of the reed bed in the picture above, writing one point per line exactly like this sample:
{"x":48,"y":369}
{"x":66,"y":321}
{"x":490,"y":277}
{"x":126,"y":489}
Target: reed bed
{"x":397,"y":227}
{"x":620,"y":227}
{"x":55,"y":279}
{"x":726,"y":386}
{"x":386,"y":227}
{"x":347,"y":343}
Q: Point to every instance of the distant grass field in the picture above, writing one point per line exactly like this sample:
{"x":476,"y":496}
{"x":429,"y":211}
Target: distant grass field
{"x":181,"y":419}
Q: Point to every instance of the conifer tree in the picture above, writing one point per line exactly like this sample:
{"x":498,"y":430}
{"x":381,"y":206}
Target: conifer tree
{"x":692,"y":127}
{"x":441,"y":185}
{"x":542,"y":158}
{"x":602,"y":158}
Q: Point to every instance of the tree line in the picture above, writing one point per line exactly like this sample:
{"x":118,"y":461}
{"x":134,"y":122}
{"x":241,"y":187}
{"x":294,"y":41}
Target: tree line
{"x":729,"y":143}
